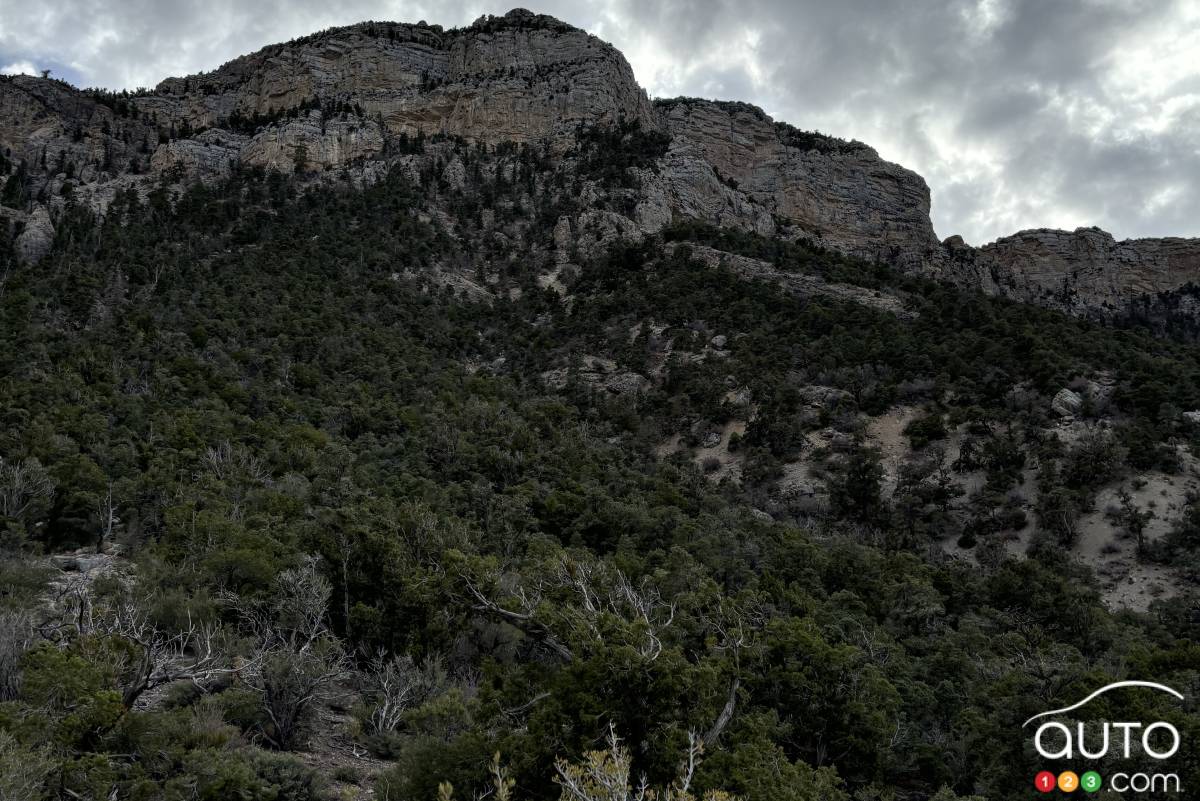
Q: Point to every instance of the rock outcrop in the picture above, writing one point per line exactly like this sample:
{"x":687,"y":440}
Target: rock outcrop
{"x":61,"y":134}
{"x":1084,"y":271}
{"x":1066,"y":403}
{"x":312,"y":144}
{"x":839,"y":194}
{"x":352,"y":100}
{"x":211,"y":153}
{"x":328,"y":100}
{"x":522,"y":77}
{"x":799,"y":284}
{"x":36,"y":237}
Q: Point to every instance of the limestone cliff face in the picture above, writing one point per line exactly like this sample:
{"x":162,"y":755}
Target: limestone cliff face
{"x":840,"y":194}
{"x":332,"y":99}
{"x":54,"y":128}
{"x":1084,"y":271}
{"x":36,"y":237}
{"x":349,"y":100}
{"x":64,"y":136}
{"x":325,"y":102}
{"x":517,"y":78}
{"x":53,"y":137}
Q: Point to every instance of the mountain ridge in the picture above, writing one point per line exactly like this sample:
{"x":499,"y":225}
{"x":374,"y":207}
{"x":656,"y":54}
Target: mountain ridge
{"x":355,"y":450}
{"x":341,"y":99}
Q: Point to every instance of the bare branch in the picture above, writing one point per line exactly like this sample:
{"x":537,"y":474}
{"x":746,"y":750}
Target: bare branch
{"x":22,"y":483}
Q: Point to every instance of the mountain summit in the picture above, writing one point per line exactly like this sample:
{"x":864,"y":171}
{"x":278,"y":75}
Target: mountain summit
{"x":400,"y":414}
{"x":344,"y":101}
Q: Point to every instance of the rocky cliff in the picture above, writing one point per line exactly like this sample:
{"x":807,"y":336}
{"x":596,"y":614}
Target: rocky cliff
{"x":352,"y":100}
{"x":840,"y":194}
{"x":518,"y":78}
{"x":1083,"y":272}
{"x":330,"y":101}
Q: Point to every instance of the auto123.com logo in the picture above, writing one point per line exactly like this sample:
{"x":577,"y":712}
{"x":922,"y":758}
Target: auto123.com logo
{"x":1075,"y":744}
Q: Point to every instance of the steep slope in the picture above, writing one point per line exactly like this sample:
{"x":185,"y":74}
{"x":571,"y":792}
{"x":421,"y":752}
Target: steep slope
{"x":377,"y":452}
{"x":350,"y":100}
{"x":629,"y":497}
{"x":836,"y":193}
{"x":517,"y":78}
{"x":1082,"y":272}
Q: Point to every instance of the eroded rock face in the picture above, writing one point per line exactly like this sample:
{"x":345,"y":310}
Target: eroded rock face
{"x":35,"y":239}
{"x":312,"y":144}
{"x":518,"y":78}
{"x":212,"y":153}
{"x":349,"y":100}
{"x":1084,"y":271}
{"x":60,"y":135}
{"x":1066,"y":403}
{"x":329,"y":100}
{"x":840,"y":194}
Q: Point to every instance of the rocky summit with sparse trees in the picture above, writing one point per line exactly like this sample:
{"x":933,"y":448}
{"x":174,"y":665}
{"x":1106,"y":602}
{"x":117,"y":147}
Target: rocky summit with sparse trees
{"x":410,"y":413}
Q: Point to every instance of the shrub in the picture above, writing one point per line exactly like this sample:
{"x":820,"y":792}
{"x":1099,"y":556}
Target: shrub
{"x":924,"y":430}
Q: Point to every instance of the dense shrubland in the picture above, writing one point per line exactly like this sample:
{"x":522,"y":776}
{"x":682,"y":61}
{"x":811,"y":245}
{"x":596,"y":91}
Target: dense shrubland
{"x":341,"y":483}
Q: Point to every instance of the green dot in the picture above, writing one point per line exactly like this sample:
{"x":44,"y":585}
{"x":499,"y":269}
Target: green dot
{"x":1090,"y":781}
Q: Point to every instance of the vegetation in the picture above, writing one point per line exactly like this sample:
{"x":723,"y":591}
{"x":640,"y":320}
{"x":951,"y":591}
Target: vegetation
{"x":339,"y":479}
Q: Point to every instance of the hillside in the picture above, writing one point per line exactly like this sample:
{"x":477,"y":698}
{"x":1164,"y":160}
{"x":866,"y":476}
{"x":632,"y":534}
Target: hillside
{"x":398,"y":397}
{"x":339,"y":100}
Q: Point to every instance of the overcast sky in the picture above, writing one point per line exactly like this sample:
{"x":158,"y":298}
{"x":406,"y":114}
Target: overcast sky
{"x":1019,"y":113}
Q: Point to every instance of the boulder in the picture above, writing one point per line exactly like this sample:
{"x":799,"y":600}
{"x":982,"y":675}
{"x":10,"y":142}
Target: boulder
{"x":625,"y":383}
{"x":1067,"y":403}
{"x":823,"y":397}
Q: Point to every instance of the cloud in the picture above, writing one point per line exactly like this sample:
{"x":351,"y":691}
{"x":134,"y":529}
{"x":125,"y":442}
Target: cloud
{"x":1019,"y":113}
{"x":19,"y":68}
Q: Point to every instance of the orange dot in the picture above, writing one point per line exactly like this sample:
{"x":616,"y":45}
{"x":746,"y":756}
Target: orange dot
{"x":1068,"y":782}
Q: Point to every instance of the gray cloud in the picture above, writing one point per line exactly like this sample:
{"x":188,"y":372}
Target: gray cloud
{"x":1019,"y":113}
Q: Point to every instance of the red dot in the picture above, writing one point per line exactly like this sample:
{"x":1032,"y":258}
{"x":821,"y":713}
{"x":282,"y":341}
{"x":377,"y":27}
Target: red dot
{"x":1045,"y":781}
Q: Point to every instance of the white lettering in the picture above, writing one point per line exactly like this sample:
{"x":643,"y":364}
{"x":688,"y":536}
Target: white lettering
{"x":1083,"y":750}
{"x":1065,"y":753}
{"x":1161,"y":783}
{"x":1162,"y":724}
{"x":1126,"y":727}
{"x":1141,"y":782}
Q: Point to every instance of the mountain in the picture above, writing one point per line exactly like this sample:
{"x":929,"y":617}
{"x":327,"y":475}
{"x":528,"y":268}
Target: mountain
{"x":338,"y":101}
{"x":411,"y":414}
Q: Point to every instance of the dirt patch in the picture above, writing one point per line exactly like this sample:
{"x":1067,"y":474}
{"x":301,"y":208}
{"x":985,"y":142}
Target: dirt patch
{"x":886,"y":433}
{"x":332,"y":751}
{"x":1112,"y":554}
{"x":714,"y":459}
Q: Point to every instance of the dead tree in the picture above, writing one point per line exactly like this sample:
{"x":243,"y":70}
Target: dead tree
{"x":736,"y":626}
{"x":22,"y":483}
{"x":300,"y":658}
{"x":159,"y":657}
{"x":106,"y":513}
{"x":571,"y":600}
{"x":608,"y":776}
{"x":16,"y":635}
{"x":395,"y":685}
